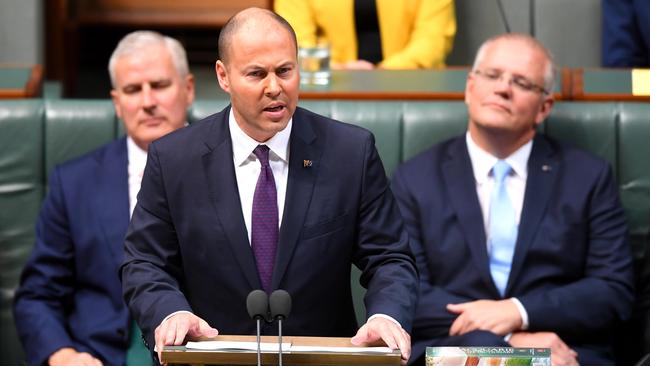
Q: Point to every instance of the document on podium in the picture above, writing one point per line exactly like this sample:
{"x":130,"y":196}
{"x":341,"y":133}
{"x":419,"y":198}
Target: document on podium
{"x":273,"y":347}
{"x":340,"y":349}
{"x":236,"y":346}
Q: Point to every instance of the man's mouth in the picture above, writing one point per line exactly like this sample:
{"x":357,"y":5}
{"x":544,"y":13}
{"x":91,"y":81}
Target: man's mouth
{"x":277,"y":108}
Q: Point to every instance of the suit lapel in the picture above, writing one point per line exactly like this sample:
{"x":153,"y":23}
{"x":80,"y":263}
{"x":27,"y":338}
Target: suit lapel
{"x":113,"y":197}
{"x":223,"y":192}
{"x":543,"y":169}
{"x":460,"y":183}
{"x":300,"y":185}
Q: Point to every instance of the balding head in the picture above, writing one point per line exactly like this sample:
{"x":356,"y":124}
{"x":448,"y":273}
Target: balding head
{"x":549,"y":69}
{"x":251,"y":20}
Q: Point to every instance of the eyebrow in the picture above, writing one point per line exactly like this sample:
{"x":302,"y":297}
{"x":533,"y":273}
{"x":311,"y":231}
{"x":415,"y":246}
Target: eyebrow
{"x":137,"y":86}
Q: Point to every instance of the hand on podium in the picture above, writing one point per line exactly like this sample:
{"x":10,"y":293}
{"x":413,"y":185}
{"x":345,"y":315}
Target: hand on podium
{"x":381,"y":329}
{"x":174,"y":330}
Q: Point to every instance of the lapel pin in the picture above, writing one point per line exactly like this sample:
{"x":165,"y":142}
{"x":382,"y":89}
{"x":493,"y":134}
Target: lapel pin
{"x":546,"y":168}
{"x":306,"y":163}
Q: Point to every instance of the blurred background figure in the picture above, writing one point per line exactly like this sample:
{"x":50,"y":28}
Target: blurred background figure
{"x":364,"y":34}
{"x":69,"y":308}
{"x":626,"y":33}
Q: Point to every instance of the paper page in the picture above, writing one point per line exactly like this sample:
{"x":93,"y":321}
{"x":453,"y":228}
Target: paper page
{"x":641,"y":82}
{"x":239,"y":346}
{"x":340,"y":349}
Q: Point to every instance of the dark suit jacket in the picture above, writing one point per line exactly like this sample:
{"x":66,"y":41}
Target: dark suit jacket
{"x":70,"y":294}
{"x":187,"y":247}
{"x":626,"y":33}
{"x":571,"y":270}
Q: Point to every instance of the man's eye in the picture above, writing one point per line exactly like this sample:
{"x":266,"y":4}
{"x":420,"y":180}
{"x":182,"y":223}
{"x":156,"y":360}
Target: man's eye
{"x":522,"y":83}
{"x":492,"y":75}
{"x":161,"y":84}
{"x":256,"y":74}
{"x":131,"y":89}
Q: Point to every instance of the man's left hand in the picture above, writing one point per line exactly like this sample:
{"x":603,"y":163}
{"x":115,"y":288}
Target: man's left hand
{"x":381,"y":329}
{"x":497,"y":316}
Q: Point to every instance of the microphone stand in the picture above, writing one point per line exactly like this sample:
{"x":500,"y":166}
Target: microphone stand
{"x":259,"y":349}
{"x":280,"y":339}
{"x":257,"y":304}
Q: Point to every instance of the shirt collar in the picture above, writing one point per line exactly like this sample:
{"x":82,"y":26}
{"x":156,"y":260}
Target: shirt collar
{"x":482,"y":161}
{"x":243,"y":145}
{"x":136,"y":155}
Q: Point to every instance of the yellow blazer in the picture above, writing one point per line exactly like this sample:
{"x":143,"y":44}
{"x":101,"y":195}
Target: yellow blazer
{"x":414,"y":33}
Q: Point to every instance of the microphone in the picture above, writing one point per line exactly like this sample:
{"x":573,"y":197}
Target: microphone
{"x":257,"y":304}
{"x":503,"y":16}
{"x":280,"y":304}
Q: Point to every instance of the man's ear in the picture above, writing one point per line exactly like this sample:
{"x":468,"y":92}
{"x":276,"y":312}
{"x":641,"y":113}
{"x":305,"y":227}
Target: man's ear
{"x":469,"y":85}
{"x":116,"y":103}
{"x":189,"y":84}
{"x":544,"y":110}
{"x":222,"y":76}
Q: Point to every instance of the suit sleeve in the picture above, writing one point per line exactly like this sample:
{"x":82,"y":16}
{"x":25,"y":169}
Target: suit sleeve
{"x":427,"y":324}
{"x":47,"y":282}
{"x":431,"y":38}
{"x":386,"y":262}
{"x":623,"y":43}
{"x":604,"y":295}
{"x":152,"y":270}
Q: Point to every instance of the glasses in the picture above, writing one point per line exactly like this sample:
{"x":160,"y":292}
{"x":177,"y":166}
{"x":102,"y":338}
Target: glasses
{"x":519,"y":82}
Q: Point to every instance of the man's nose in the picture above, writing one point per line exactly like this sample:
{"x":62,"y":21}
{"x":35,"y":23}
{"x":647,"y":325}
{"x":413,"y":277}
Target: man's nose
{"x":148,"y":97}
{"x":272,"y":87}
{"x":503,"y":85}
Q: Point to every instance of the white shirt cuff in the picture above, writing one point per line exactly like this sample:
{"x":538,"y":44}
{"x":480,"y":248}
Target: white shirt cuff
{"x":522,"y":313}
{"x":172,"y":314}
{"x":385,"y":317}
{"x":169,"y":316}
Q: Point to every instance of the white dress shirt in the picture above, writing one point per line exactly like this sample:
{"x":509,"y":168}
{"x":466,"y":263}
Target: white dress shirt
{"x":482,"y":163}
{"x":248,"y":167}
{"x":137,"y":160}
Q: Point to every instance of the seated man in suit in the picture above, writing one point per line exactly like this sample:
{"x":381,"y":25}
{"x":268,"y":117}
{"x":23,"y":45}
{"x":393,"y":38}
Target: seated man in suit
{"x":519,"y":239}
{"x":266,"y":195}
{"x":69,"y":308}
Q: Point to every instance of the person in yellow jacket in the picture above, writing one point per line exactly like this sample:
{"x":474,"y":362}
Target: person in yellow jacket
{"x":414,"y":33}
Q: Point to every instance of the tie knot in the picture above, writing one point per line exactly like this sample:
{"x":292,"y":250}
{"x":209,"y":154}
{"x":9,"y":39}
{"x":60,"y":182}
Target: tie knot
{"x":262,"y":153}
{"x":501,"y":170}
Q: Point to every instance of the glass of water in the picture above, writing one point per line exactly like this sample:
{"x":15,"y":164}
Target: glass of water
{"x":314,"y":65}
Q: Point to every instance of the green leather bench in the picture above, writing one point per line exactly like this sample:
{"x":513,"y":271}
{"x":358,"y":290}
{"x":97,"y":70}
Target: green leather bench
{"x":35,"y":135}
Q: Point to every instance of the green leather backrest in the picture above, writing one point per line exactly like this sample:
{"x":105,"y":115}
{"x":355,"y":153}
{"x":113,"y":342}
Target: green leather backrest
{"x":427,"y":123}
{"x":74,"y":127}
{"x":36,"y":135}
{"x":634,"y":172}
{"x":589,"y":126}
{"x":21,"y":190}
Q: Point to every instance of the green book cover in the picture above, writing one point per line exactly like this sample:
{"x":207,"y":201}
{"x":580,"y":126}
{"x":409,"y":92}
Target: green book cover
{"x":487,"y":356}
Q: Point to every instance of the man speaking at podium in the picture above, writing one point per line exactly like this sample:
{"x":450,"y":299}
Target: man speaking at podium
{"x":266,"y":195}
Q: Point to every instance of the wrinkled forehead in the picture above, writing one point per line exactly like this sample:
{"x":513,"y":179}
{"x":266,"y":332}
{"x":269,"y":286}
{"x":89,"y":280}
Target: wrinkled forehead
{"x":516,"y":56}
{"x":152,"y":63}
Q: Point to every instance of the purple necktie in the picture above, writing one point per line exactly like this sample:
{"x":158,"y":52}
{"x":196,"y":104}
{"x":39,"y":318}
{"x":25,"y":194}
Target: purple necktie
{"x":265,"y":231}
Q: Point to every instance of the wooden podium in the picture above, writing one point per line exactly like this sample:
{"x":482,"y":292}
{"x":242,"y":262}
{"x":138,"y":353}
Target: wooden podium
{"x":179,"y":354}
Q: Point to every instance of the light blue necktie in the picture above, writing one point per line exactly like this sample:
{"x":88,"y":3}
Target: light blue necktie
{"x":503,"y":227}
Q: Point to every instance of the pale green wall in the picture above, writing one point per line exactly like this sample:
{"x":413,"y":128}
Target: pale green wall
{"x":21,"y":31}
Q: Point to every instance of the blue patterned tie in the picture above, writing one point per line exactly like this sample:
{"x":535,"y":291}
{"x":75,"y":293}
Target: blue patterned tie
{"x":503,"y":228}
{"x":264,"y":227}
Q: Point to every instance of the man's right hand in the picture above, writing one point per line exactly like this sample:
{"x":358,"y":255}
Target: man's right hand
{"x":174,"y":330}
{"x":563,"y":355}
{"x":70,"y":357}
